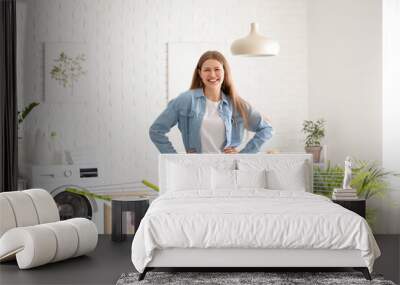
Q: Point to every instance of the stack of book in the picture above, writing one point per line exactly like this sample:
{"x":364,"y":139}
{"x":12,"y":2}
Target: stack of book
{"x":344,"y":194}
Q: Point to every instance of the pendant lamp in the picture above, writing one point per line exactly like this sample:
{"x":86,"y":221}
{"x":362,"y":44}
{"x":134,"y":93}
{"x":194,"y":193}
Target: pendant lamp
{"x":255,"y":44}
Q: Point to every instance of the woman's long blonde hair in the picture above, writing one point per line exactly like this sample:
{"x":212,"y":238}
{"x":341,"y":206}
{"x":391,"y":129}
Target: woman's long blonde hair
{"x":239,"y":105}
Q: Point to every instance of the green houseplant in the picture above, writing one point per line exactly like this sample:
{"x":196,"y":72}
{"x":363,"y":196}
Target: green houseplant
{"x":151,"y":185}
{"x":88,"y":194}
{"x":314,"y":131}
{"x":24,"y":113}
{"x":369,"y":179}
{"x":85,"y":192}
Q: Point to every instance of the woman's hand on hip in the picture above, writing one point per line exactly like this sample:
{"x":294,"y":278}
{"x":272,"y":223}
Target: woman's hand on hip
{"x":230,"y":150}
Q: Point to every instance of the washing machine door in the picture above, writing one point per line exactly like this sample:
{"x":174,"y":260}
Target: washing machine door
{"x":72,"y":205}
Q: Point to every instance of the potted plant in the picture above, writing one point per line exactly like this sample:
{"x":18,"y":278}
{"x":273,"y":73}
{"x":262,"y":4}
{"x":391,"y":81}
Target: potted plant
{"x":23,"y":114}
{"x":369,"y":179}
{"x":314,"y":131}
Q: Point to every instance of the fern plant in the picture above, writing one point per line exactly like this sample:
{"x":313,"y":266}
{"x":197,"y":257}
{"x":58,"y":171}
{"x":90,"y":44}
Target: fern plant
{"x":370,"y":179}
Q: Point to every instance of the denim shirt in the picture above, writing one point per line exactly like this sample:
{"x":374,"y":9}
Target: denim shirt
{"x":187,"y":110}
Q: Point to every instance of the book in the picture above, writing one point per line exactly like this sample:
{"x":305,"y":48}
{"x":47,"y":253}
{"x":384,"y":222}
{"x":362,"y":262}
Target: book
{"x":345,"y":198}
{"x":340,"y":190}
{"x":345,"y":194}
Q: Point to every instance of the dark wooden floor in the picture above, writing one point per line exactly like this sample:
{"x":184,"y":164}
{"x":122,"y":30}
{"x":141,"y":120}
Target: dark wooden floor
{"x":111,"y":259}
{"x":102,"y":266}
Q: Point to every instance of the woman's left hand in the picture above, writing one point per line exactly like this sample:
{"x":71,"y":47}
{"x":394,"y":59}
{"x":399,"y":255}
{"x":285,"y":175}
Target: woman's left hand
{"x":231,"y":150}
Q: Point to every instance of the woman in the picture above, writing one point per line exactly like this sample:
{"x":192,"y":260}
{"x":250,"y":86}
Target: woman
{"x":210,"y":116}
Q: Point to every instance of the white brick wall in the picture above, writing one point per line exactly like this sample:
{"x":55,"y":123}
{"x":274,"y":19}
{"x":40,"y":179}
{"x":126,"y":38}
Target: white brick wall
{"x":128,"y":41}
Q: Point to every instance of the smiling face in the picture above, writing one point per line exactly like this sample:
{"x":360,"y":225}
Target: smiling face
{"x":212,"y":74}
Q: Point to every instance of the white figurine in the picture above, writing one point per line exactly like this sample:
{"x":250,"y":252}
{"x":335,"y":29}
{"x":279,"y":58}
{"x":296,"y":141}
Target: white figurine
{"x":347,"y":173}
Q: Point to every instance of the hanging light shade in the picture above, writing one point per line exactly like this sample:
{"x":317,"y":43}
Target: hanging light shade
{"x":255,"y":44}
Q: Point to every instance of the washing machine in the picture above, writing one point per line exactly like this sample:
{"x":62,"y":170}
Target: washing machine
{"x":57,"y":178}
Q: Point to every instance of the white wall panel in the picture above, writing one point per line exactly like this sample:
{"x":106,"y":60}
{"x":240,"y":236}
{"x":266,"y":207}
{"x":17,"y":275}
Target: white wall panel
{"x":345,"y":75}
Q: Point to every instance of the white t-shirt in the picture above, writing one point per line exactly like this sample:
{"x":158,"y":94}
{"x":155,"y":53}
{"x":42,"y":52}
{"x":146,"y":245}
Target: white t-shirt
{"x":212,"y":130}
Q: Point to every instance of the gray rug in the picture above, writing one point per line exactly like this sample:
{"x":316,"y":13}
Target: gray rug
{"x":229,"y":278}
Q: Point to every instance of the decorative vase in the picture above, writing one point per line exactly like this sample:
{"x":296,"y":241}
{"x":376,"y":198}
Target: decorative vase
{"x":315,"y":151}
